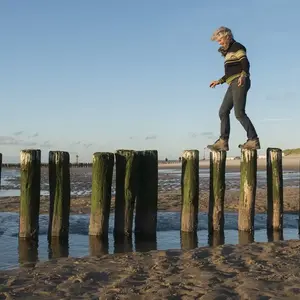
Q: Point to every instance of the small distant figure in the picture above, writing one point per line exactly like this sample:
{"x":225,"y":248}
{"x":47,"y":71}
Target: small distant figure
{"x":237,"y":76}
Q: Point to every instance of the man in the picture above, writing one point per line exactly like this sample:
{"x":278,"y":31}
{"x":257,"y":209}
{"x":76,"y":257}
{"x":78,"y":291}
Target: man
{"x":237,"y":76}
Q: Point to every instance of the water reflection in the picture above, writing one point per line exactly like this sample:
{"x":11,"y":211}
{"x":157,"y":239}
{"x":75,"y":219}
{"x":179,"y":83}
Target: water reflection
{"x":123,"y":244}
{"x":98,"y":246}
{"x":216,"y":238}
{"x":145,"y":244}
{"x":246,"y":237}
{"x":188,"y":240}
{"x":28,"y":252}
{"x":58,"y":247}
{"x":275,"y":235}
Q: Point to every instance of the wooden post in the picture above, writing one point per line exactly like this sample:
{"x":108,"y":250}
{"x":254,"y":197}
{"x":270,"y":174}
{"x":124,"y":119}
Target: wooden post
{"x":102,"y":172}
{"x":216,"y":191}
{"x":274,"y":189}
{"x":248,"y":170}
{"x":0,"y":168}
{"x":60,"y":194}
{"x":190,"y":190}
{"x":126,"y":190}
{"x":147,"y":193}
{"x":30,"y":168}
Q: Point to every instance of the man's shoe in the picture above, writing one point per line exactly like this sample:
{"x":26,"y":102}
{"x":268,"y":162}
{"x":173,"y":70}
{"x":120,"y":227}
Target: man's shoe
{"x":251,"y":144}
{"x":219,"y":145}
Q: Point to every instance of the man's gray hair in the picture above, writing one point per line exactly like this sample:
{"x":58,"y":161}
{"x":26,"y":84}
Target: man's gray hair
{"x":222,"y":32}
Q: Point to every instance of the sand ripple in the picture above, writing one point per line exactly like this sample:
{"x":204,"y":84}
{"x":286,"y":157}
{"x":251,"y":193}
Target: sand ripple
{"x":253,"y":271}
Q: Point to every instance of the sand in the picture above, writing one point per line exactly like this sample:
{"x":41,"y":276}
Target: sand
{"x":169,"y":201}
{"x":253,"y":271}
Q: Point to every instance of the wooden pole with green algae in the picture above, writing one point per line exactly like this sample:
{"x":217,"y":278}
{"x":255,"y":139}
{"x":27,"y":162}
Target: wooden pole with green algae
{"x":189,"y":190}
{"x":60,"y":194}
{"x":126,"y":190}
{"x":30,"y":169}
{"x":147,"y":193}
{"x":216,"y":191}
{"x":102,"y":174}
{"x":274,"y":189}
{"x":248,"y":181}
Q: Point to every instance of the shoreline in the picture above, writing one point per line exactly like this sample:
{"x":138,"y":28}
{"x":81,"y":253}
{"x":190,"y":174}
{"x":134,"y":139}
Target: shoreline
{"x":260,"y":270}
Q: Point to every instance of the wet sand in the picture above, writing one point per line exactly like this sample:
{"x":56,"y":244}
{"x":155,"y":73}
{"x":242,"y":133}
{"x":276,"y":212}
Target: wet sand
{"x":252,"y":271}
{"x":168,"y":201}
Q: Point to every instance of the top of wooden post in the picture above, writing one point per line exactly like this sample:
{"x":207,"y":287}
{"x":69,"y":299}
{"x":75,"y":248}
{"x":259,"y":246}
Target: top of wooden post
{"x":271,"y":149}
{"x":29,"y":155}
{"x":190,"y":154}
{"x":248,"y":154}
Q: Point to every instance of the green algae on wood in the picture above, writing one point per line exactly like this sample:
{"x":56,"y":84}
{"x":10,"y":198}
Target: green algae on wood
{"x":274,"y":189}
{"x":216,"y":191}
{"x":248,"y":169}
{"x":147,"y":193}
{"x":102,"y":173}
{"x":189,"y":190}
{"x":60,"y":194}
{"x":126,"y":190}
{"x":30,"y":171}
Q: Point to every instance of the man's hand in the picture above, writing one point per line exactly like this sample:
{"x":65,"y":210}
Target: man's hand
{"x":241,"y":81}
{"x":214,"y":83}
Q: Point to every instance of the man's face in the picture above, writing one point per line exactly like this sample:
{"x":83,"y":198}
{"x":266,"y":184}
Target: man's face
{"x":222,"y":41}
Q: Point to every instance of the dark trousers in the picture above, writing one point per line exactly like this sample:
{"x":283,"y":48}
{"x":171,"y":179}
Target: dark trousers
{"x":236,"y":97}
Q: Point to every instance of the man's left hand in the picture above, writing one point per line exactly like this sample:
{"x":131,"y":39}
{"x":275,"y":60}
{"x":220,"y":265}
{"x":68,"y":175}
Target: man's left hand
{"x":241,"y":81}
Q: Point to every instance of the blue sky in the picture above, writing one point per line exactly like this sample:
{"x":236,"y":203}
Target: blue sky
{"x":86,"y":76}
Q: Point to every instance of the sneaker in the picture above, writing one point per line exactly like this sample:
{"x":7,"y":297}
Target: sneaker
{"x":251,"y":144}
{"x":219,"y":145}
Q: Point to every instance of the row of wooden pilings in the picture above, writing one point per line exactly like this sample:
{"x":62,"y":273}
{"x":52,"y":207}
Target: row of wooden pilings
{"x":137,"y":188}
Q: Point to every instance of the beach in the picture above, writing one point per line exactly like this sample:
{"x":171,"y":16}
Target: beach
{"x":252,"y":271}
{"x":246,"y":270}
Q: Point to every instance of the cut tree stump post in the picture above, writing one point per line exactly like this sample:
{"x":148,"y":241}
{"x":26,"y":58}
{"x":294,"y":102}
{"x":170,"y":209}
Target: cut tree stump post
{"x":102,"y":173}
{"x":126,"y":190}
{"x":147,"y":193}
{"x":274,"y":189}
{"x":216,"y":191}
{"x":30,"y":169}
{"x":190,"y":190}
{"x":60,"y":194}
{"x":248,"y":169}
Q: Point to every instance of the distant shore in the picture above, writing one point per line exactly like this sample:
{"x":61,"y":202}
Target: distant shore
{"x":288,"y":164}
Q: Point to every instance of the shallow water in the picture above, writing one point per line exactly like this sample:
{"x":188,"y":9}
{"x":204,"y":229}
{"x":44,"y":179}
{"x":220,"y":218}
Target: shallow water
{"x":14,"y":253}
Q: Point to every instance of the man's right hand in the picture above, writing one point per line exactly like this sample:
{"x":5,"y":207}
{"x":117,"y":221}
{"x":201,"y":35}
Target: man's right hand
{"x":214,"y":83}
